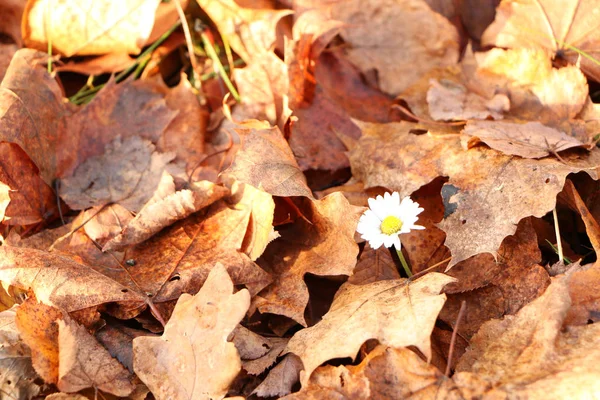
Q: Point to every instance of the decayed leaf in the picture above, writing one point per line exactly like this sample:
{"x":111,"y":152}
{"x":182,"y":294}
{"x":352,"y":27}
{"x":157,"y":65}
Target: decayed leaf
{"x":192,"y":359}
{"x":31,"y":199}
{"x":528,"y":355}
{"x":179,"y":258}
{"x":127,"y":173}
{"x":374,"y":265}
{"x":59,"y":281}
{"x":118,"y":340}
{"x":550,"y":25}
{"x":249,"y":31}
{"x":131,"y":108}
{"x":85,"y":363}
{"x":265,"y":161}
{"x":528,"y":140}
{"x":280,"y":379}
{"x":395,"y":312}
{"x":164,"y":208}
{"x":34,"y":119}
{"x":324,"y":246}
{"x":16,"y":371}
{"x":490,"y":189}
{"x":95,"y":27}
{"x":408,"y":30}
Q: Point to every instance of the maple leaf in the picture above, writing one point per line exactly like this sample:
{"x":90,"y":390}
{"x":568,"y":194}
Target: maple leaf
{"x":409,"y":30}
{"x":16,"y":370}
{"x":94,"y":28}
{"x":490,"y":189}
{"x":569,"y":29}
{"x":181,"y":363}
{"x":530,"y":353}
{"x":323,"y":244}
{"x":395,"y":312}
{"x":127,"y":173}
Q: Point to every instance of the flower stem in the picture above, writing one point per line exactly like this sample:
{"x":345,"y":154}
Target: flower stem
{"x":403,"y":262}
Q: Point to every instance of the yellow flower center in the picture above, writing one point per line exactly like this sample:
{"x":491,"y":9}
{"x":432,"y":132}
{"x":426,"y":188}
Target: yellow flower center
{"x":391,"y":225}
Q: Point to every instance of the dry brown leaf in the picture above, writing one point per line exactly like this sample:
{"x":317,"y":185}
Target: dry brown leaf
{"x":323,"y":245}
{"x":7,"y":52}
{"x":12,"y":13}
{"x":31,"y":199}
{"x":528,"y":355}
{"x":179,"y":258}
{"x":259,"y":365}
{"x":489,"y":193}
{"x":4,"y":199}
{"x":59,"y":281}
{"x":127,"y":173}
{"x":265,"y":161}
{"x":192,"y":359}
{"x":164,"y":208}
{"x":280,"y":379}
{"x":33,"y":119}
{"x":398,"y":313}
{"x":250,"y":31}
{"x":16,"y":371}
{"x":118,"y":340}
{"x":131,"y":108}
{"x":89,"y":27}
{"x":84,"y":363}
{"x":66,"y":396}
{"x":408,"y":30}
{"x":550,"y":25}
{"x":528,"y":140}
{"x":373,"y":266}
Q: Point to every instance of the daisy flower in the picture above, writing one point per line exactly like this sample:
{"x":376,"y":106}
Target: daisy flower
{"x":387,"y":218}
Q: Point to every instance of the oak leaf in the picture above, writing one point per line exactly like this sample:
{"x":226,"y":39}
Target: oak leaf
{"x":281,"y":378}
{"x":95,"y":27}
{"x":192,"y":359}
{"x":398,"y":313}
{"x":488,"y":189}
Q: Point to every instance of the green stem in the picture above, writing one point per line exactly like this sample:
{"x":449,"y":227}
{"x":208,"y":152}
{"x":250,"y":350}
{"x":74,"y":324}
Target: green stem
{"x":403,"y":262}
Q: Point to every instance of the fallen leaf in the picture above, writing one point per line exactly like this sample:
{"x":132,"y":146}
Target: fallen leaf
{"x":16,"y":371}
{"x":373,"y":266}
{"x":280,"y":379}
{"x":487,"y":188}
{"x":408,"y":30}
{"x":528,"y":140}
{"x":265,"y":161}
{"x":395,"y":312}
{"x":197,"y":330}
{"x":31,"y":199}
{"x":250,"y":31}
{"x":94,"y":27}
{"x":7,"y":52}
{"x":118,"y":340}
{"x":322,"y":244}
{"x":163,"y":209}
{"x":38,"y":114}
{"x":127,"y":173}
{"x":84,"y":363}
{"x":530,"y":355}
{"x":547,"y":25}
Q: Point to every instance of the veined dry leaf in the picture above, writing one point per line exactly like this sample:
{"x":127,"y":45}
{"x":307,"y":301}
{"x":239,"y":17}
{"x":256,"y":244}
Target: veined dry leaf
{"x":322,"y":244}
{"x":179,"y":258}
{"x":250,"y":31}
{"x":88,"y":27}
{"x":408,"y":30}
{"x":529,"y":355}
{"x":374,"y":265}
{"x":266,"y":161}
{"x":59,"y":281}
{"x":551,"y":25}
{"x":528,"y":140}
{"x":16,"y":371}
{"x":7,"y":52}
{"x":192,"y":359}
{"x":33,"y":119}
{"x":118,"y":340}
{"x":127,"y":173}
{"x":163,"y":209}
{"x":84,"y":363}
{"x":395,"y":312}
{"x":492,"y":191}
{"x":31,"y":199}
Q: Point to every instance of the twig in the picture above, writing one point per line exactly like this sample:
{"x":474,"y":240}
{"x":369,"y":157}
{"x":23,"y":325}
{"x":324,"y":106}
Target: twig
{"x":561,"y":257}
{"x":463,"y":306}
